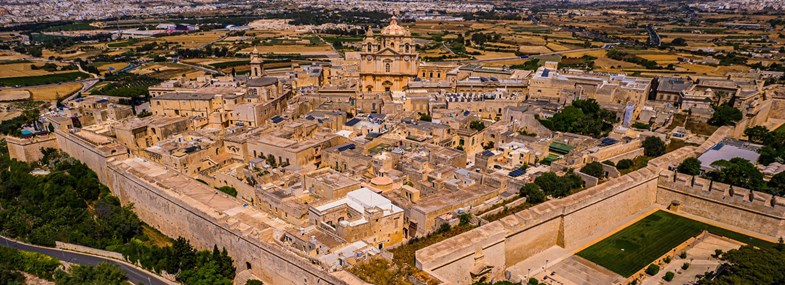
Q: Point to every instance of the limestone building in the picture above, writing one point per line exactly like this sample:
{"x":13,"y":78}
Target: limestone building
{"x":388,"y":61}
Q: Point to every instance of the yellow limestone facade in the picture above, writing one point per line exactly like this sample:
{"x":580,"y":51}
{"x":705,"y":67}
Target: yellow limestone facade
{"x":388,"y":60}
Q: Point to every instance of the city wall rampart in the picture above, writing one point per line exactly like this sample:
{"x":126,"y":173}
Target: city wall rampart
{"x":29,"y":149}
{"x":754,"y":211}
{"x":94,"y":156}
{"x":176,"y":214}
{"x":568,"y":222}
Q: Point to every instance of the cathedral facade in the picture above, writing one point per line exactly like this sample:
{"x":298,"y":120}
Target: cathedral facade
{"x":388,"y":61}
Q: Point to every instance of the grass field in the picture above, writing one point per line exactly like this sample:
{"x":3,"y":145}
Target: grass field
{"x":42,"y":79}
{"x":634,"y":247}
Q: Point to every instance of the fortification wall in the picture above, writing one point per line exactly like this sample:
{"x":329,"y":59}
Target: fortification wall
{"x":470,"y":253}
{"x":29,"y":149}
{"x":175,"y":214}
{"x":596,"y":211}
{"x":750,"y":210}
{"x":531,"y":232}
{"x":95,"y":157}
{"x":568,"y":222}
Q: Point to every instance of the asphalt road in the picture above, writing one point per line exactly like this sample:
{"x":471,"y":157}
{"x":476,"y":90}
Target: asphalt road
{"x":135,"y":275}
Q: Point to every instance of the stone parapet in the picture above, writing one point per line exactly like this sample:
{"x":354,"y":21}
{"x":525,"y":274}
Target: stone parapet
{"x":743,"y":198}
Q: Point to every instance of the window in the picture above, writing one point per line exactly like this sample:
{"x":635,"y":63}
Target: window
{"x":406,"y":48}
{"x":387,"y":67}
{"x":370,"y":48}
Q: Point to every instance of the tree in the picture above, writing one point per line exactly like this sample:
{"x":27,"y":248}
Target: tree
{"x":625,"y":164}
{"x":253,"y":282}
{"x":464,"y":219}
{"x":669,"y":276}
{"x":750,"y":265}
{"x":653,"y":147}
{"x":690,"y":166}
{"x":488,"y":145}
{"x":594,"y":169}
{"x":103,"y":273}
{"x":425,"y":117}
{"x":725,"y":115}
{"x":680,"y":42}
{"x":756,"y":134}
{"x":553,"y":185}
{"x":653,"y":269}
{"x":477,"y":125}
{"x":738,"y":172}
{"x":777,"y":184}
{"x":271,"y":161}
{"x":532,"y":193}
{"x":583,"y":117}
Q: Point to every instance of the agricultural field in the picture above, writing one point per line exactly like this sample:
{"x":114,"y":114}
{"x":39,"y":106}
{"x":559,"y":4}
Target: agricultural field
{"x":106,"y":66}
{"x":11,"y":56}
{"x":54,"y":92}
{"x":22,"y":69}
{"x":14,"y":95}
{"x":43,"y":79}
{"x":162,"y":70}
{"x":634,"y":247}
{"x":126,"y":85}
{"x":191,"y":40}
{"x":291,"y":49}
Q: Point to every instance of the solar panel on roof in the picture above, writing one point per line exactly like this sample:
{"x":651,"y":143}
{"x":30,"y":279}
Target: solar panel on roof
{"x":517,"y":172}
{"x":276,"y":119}
{"x":352,"y":122}
{"x":487,"y":153}
{"x":346,"y":146}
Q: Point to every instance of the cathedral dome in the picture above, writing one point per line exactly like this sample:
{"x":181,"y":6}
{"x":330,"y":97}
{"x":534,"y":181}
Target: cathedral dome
{"x":394,"y":29}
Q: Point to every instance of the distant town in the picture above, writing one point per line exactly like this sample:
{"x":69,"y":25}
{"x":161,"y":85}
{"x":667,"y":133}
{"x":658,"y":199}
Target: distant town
{"x":392,"y":142}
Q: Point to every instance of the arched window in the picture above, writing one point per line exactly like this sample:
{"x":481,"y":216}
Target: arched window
{"x":370,"y":47}
{"x":406,"y":48}
{"x":387,"y":67}
{"x":392,"y":45}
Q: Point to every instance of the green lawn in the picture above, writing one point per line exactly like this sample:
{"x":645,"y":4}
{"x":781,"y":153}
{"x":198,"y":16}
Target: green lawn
{"x":634,"y":247}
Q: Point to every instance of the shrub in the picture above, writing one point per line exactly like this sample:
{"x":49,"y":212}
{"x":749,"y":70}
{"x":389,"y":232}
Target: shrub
{"x":717,"y":253}
{"x":229,"y":190}
{"x":685,"y":266}
{"x":667,"y":259}
{"x":624,"y":164}
{"x":254,"y":282}
{"x":683,"y":255}
{"x":653,"y":269}
{"x":669,"y":276}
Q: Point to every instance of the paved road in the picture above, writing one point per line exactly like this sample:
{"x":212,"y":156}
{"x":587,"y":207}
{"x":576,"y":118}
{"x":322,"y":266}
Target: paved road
{"x":135,"y":275}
